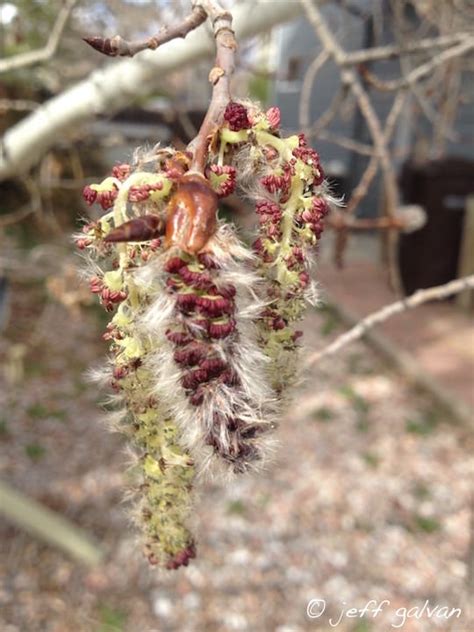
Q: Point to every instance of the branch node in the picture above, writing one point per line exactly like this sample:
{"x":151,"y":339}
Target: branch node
{"x":216,"y":73}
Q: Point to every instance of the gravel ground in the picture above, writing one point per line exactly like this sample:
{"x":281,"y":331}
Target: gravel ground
{"x":368,"y":499}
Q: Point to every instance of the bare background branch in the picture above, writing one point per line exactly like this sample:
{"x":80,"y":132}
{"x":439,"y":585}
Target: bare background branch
{"x":43,"y":54}
{"x":421,"y":296}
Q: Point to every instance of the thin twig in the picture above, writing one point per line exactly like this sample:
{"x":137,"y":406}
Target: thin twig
{"x":20,"y":105}
{"x":326,"y":117}
{"x":352,"y":81}
{"x":342,"y":221}
{"x":307,"y":88}
{"x":360,"y":191}
{"x":34,"y":205}
{"x":219,"y":76}
{"x":448,"y":109}
{"x":392,"y":51}
{"x":425,"y":70}
{"x":118,"y":47}
{"x":49,"y":526}
{"x":418,"y":298}
{"x":8,"y":219}
{"x":116,"y":85}
{"x":43,"y":54}
{"x":347,"y":143}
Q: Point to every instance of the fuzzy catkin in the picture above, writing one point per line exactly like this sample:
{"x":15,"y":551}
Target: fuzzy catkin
{"x":203,"y":343}
{"x":283,"y":179}
{"x":208,"y":368}
{"x":164,"y":469}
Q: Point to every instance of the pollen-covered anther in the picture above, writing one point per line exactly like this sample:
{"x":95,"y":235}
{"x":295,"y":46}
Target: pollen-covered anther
{"x":182,"y":557}
{"x":179,"y":338}
{"x":89,"y":195}
{"x":273,"y":183}
{"x":207,"y":261}
{"x":140,"y":193}
{"x":273,"y":231}
{"x":103,"y":194}
{"x":308,"y":155}
{"x":107,"y":198}
{"x":213,"y":366}
{"x":237,"y":117}
{"x":96,"y":285}
{"x":173,"y":283}
{"x":155,"y":244}
{"x":304,"y":279}
{"x":226,"y":176}
{"x":282,"y":183}
{"x":273,"y":115}
{"x":186,"y":301}
{"x":190,"y":355}
{"x":302,"y":140}
{"x":197,"y":397}
{"x":222,"y":329}
{"x":113,"y":296}
{"x":226,"y":291}
{"x":83,"y":242}
{"x":174,"y":265}
{"x":267,"y":207}
{"x":320,"y":206}
{"x":192,"y":379}
{"x":230,"y":378}
{"x":112,"y":333}
{"x":199,"y":280}
{"x":214,"y":306}
{"x":121,"y":172}
{"x":120,"y":372}
{"x":260,"y":249}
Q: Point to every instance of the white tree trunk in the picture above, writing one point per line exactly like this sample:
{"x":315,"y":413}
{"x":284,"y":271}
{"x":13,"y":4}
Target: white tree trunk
{"x":118,"y":83}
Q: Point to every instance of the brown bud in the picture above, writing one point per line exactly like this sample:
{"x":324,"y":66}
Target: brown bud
{"x":192,"y":214}
{"x":139,"y":229}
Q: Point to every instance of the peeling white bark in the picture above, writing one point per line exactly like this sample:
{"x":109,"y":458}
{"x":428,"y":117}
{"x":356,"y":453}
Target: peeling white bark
{"x":120,"y":82}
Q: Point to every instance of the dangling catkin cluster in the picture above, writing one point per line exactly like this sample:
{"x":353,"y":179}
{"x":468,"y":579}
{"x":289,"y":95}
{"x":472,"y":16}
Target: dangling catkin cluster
{"x":203,"y":338}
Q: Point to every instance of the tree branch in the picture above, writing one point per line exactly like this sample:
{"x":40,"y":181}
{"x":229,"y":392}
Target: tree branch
{"x":307,"y":88}
{"x":353,"y":83}
{"x":219,"y":76}
{"x":49,"y":526}
{"x":424,"y":70}
{"x":118,"y":47}
{"x":20,"y":105}
{"x":113,"y":87}
{"x":418,"y":298}
{"x":45,"y":53}
{"x":392,"y":51}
